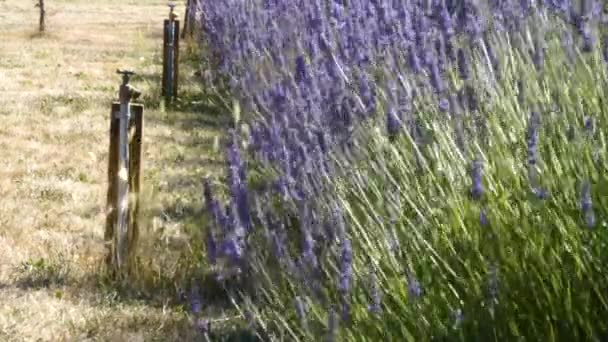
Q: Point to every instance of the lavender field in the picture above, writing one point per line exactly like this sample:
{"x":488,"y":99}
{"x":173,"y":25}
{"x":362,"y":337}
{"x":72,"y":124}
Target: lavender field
{"x":410,"y":170}
{"x":329,"y":170}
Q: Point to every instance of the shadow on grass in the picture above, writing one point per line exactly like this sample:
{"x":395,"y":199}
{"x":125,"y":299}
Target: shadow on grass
{"x":156,"y":306}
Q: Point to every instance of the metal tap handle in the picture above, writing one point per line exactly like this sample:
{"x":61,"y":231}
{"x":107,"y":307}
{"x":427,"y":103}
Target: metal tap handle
{"x":172,"y":15}
{"x":126,"y":75}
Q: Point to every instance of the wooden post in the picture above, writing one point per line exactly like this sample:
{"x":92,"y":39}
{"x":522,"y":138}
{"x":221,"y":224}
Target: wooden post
{"x":42,"y":25}
{"x":124,"y":182}
{"x":170,"y":55}
{"x":188,"y":24}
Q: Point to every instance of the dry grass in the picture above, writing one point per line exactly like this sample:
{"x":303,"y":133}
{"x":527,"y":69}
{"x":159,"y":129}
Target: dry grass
{"x":55,"y":93}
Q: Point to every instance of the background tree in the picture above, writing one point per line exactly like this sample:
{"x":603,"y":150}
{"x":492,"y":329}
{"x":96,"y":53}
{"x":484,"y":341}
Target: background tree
{"x":42,"y":25}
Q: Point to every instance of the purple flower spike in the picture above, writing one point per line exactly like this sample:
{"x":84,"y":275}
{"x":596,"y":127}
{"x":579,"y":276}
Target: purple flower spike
{"x":446,"y":21}
{"x":413,"y":60}
{"x":521,"y":95}
{"x":204,"y":326}
{"x":195,"y":301}
{"x":493,"y":285}
{"x":458,"y":318}
{"x":233,"y":250}
{"x":538,"y":57}
{"x":534,"y":124}
{"x":483,"y":218}
{"x":375,"y":306}
{"x":463,"y":65}
{"x":345,"y":310}
{"x":211,"y":248}
{"x":300,"y":308}
{"x":541,"y":193}
{"x":477,"y":189}
{"x":471,"y":98}
{"x":444,"y":105}
{"x":308,"y":246}
{"x":300,"y":73}
{"x":589,"y":125}
{"x":346,"y":268}
{"x":588,"y":40}
{"x":393,"y":123}
{"x":436,"y":80}
{"x":587,"y":205}
{"x":605,"y":48}
{"x":332,"y":325}
{"x":414,"y":288}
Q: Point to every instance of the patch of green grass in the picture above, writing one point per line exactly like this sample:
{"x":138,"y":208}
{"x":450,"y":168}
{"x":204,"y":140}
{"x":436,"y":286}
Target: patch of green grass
{"x":41,"y":272}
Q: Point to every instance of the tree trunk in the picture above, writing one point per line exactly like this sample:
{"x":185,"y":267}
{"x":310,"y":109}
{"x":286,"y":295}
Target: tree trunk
{"x":42,"y":15}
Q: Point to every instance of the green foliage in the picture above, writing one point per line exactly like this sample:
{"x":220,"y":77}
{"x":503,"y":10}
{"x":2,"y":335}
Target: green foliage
{"x":547,"y":268}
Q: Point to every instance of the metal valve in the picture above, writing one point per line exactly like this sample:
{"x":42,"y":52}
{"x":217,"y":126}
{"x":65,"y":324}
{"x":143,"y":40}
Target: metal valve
{"x":127,"y":92}
{"x":172,"y":15}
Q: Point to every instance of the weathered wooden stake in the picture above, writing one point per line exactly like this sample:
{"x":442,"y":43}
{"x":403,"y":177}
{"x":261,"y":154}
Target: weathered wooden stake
{"x":124,"y":169}
{"x":42,"y":25}
{"x":188,"y":20}
{"x":170,"y":55}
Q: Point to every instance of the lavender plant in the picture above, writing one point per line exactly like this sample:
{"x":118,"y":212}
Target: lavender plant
{"x":423,"y":119}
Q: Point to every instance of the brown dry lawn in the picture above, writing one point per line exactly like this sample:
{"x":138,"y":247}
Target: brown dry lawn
{"x":55,"y":93}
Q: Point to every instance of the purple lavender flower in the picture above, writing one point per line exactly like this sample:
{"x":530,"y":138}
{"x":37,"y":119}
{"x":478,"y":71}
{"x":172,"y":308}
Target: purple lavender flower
{"x":440,"y":50}
{"x":477,"y":189}
{"x":368,"y":94}
{"x":521,"y":96}
{"x":211,"y":248}
{"x":444,"y":105}
{"x":232,"y":249}
{"x":473,"y":20}
{"x":493,"y":283}
{"x":541,"y":193}
{"x":436,"y":79}
{"x":568,"y":46}
{"x":332,"y":325}
{"x":346,"y":309}
{"x":237,"y":181}
{"x":588,"y":39}
{"x":375,"y":307}
{"x":204,"y":326}
{"x":195,"y":301}
{"x":392,"y":240}
{"x":458,"y":318}
{"x":471,"y":98}
{"x":483,"y":218}
{"x":413,"y":59}
{"x":587,"y":204}
{"x":589,"y":125}
{"x":450,"y":50}
{"x":413,"y":287}
{"x":301,"y":309}
{"x":538,"y":56}
{"x":300,"y":72}
{"x":346,"y":268}
{"x":533,"y":138}
{"x":322,"y":140}
{"x":249,"y":316}
{"x":393,"y":123}
{"x":278,"y":245}
{"x":463,"y":65}
{"x":446,"y":21}
{"x":605,"y":48}
{"x":207,"y":192}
